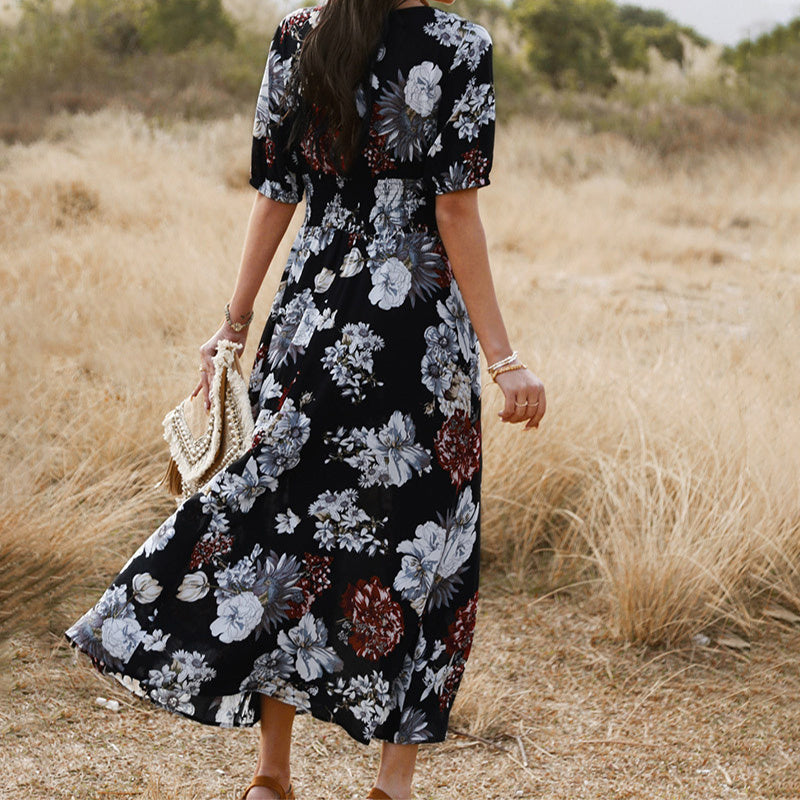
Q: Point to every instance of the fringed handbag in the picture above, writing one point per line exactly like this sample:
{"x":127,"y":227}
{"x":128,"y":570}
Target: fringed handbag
{"x":204,"y":441}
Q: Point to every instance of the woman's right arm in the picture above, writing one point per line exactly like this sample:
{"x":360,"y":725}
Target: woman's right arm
{"x":266,"y":227}
{"x":461,"y":230}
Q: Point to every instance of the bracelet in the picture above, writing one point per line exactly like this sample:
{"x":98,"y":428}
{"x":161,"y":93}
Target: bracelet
{"x":237,"y":326}
{"x":503,"y":361}
{"x":506,"y":368}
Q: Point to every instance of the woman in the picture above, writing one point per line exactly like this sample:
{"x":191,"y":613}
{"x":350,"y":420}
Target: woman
{"x":333,"y":568}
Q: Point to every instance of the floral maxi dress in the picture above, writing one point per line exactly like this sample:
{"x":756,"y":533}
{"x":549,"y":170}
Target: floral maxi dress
{"x":334,"y":565}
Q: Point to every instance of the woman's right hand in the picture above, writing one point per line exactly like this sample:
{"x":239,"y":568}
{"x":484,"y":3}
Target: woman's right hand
{"x":525,"y":398}
{"x":207,"y":352}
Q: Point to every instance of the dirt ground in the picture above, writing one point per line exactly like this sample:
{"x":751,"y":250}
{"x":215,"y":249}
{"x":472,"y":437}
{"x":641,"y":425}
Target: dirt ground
{"x":550,"y":707}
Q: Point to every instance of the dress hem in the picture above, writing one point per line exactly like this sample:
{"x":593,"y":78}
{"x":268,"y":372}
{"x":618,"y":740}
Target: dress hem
{"x":107,"y":672}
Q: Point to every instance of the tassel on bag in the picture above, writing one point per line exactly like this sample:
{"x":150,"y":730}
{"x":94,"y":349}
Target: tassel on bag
{"x":204,"y":441}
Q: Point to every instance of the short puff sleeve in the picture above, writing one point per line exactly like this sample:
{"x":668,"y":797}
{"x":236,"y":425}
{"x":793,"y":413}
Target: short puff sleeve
{"x":275,"y":171}
{"x":461,"y":155}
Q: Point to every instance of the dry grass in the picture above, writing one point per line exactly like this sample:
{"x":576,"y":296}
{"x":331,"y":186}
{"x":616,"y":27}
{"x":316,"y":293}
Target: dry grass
{"x":658,"y":499}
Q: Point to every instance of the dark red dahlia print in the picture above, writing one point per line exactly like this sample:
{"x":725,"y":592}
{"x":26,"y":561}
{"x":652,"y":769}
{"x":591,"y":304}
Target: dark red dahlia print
{"x":461,"y":630}
{"x":477,"y":162}
{"x":212,"y":544}
{"x":376,"y":618}
{"x":376,"y":151}
{"x":458,"y":447}
{"x":451,"y":683}
{"x":269,"y":151}
{"x":314,"y":581}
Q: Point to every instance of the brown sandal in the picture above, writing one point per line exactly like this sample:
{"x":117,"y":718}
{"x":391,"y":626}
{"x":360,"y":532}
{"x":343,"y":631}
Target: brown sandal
{"x":271,"y":783}
{"x":377,"y":794}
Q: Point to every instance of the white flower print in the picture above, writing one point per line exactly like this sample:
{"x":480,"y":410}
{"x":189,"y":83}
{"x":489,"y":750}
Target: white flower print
{"x":352,"y":264}
{"x":145,"y":587}
{"x":307,"y":643}
{"x":390,"y":284}
{"x":323,"y":280}
{"x":454,"y":312}
{"x":270,"y":583}
{"x":413,"y":727}
{"x":286,"y":522}
{"x":396,"y":450}
{"x":238,"y":617}
{"x":461,"y":535}
{"x":194,"y":586}
{"x":155,"y":641}
{"x":341,"y":523}
{"x":422,"y":91}
{"x":366,"y":697}
{"x":349,"y":360}
{"x":418,"y":567}
{"x":475,"y":108}
{"x":158,"y":540}
{"x":389,"y":211}
{"x":121,"y":636}
{"x":269,"y":388}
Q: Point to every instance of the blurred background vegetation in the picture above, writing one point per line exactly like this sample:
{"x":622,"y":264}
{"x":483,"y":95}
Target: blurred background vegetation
{"x":610,"y":67}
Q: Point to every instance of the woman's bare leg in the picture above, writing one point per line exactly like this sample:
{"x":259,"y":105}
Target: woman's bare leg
{"x":396,"y":770}
{"x":275,"y":740}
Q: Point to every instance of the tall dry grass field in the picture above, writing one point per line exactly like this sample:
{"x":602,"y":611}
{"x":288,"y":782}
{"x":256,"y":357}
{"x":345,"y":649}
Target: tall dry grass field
{"x":658,"y":303}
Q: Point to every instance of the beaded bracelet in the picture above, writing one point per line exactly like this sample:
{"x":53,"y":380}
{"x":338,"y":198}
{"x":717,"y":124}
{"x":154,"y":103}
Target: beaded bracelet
{"x":237,"y":326}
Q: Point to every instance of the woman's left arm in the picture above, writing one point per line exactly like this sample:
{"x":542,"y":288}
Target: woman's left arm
{"x":266,"y":227}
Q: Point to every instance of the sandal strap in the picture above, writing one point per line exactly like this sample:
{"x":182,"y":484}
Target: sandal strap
{"x":270,"y":783}
{"x":377,"y":794}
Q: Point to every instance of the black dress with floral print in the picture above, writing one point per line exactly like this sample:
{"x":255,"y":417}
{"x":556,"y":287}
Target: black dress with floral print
{"x":334,"y":565}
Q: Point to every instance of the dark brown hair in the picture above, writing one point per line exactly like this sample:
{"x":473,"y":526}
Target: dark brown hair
{"x":336,"y":56}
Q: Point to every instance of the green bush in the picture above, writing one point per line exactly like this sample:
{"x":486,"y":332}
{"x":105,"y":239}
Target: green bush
{"x":172,"y":25}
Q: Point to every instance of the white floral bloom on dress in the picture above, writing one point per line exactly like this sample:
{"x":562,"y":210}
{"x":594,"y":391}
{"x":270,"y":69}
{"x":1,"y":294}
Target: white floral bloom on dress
{"x":422,"y":90}
{"x":390,"y":284}
{"x":145,"y":587}
{"x":241,"y":491}
{"x":353,"y":263}
{"x":454,"y":312}
{"x":418,"y":567}
{"x":460,"y":535}
{"x":389,"y":210}
{"x":158,"y":540}
{"x":286,"y":522}
{"x":155,"y":641}
{"x":413,"y":727}
{"x":269,"y":388}
{"x":121,"y":636}
{"x":307,"y":643}
{"x":237,"y":618}
{"x":194,"y":586}
{"x":396,"y":450}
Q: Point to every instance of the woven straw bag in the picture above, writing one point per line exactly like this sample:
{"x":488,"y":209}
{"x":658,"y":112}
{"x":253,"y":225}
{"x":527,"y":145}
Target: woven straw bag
{"x":204,"y":441}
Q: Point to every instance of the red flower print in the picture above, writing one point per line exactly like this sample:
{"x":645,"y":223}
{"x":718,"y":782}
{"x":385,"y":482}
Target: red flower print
{"x":377,"y":619}
{"x":451,"y":683}
{"x":315,"y":579}
{"x":376,"y":152}
{"x":477,"y":162}
{"x":460,"y":632}
{"x":269,"y":151}
{"x":209,"y":546}
{"x":458,"y":447}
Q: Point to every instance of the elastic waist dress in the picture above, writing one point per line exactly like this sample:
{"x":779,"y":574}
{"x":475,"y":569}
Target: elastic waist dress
{"x":335,"y":564}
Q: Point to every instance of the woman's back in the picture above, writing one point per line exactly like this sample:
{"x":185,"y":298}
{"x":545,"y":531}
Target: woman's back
{"x":430,"y":98}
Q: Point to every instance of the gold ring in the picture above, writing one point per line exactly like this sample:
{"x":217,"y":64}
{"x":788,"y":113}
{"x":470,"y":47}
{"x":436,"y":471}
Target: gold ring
{"x":521,"y":404}
{"x":203,"y":369}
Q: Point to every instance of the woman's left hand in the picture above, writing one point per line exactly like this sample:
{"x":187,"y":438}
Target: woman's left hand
{"x":207,"y":353}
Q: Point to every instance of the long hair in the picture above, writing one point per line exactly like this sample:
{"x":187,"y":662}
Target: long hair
{"x":334,"y":60}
